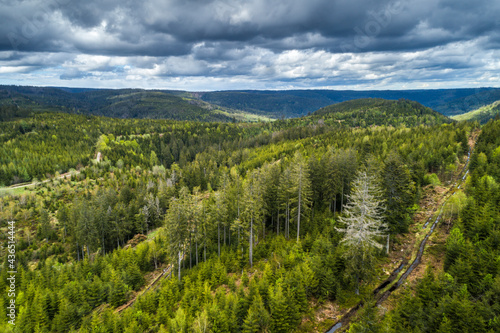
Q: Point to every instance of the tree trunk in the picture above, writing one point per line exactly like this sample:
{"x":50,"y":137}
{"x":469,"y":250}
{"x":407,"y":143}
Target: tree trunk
{"x":179,"y":266}
{"x":250,"y":250}
{"x":342,"y":198}
{"x":264,"y":229}
{"x":299,"y":207}
{"x":278,"y":224}
{"x":103,"y":246}
{"x":289,"y":218}
{"x":387,"y":248}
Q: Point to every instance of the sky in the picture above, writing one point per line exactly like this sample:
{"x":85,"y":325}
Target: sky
{"x":200,"y":45}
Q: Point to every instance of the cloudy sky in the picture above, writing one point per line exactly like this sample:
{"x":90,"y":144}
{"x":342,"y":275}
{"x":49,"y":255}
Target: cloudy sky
{"x":253,"y":44}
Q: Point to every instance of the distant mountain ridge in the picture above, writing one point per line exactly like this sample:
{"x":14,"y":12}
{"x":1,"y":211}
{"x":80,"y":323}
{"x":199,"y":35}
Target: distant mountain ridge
{"x":246,"y":105}
{"x":120,"y":103}
{"x":295,"y":103}
{"x":469,"y":103}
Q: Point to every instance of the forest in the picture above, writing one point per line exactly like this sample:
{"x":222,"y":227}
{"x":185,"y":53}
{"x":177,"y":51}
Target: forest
{"x":228,"y":106}
{"x":150,"y":225}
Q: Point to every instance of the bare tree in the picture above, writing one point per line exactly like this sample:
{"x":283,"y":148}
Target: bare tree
{"x":364,"y":226}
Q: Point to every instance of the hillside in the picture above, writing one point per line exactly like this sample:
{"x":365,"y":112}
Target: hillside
{"x":295,"y":103}
{"x":251,"y":105}
{"x":377,"y":112}
{"x":121,"y":103}
{"x":31,"y":125}
{"x":483,"y":114}
{"x":469,"y":103}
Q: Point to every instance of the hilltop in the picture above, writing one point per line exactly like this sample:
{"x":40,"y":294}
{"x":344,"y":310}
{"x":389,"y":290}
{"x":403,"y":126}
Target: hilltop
{"x":373,"y":112}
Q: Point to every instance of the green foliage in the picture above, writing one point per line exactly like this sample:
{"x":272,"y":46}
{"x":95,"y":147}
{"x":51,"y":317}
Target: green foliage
{"x":482,"y":115}
{"x":399,"y":194}
{"x":365,"y":112}
{"x":464,"y":297}
{"x":431,"y":179}
{"x":218,"y":201}
{"x":294,"y":103}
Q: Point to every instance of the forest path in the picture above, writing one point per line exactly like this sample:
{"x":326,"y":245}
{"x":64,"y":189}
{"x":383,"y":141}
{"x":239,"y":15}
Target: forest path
{"x":388,"y":286}
{"x":17,"y":186}
{"x":166,"y":272}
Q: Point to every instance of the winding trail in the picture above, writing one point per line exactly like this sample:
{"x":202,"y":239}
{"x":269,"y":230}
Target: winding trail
{"x":343,"y":323}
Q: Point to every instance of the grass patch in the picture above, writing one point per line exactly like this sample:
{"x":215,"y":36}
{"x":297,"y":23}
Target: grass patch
{"x":13,"y":191}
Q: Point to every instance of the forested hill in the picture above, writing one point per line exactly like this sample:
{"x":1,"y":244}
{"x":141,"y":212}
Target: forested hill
{"x":122,"y":103}
{"x":42,"y":136}
{"x":376,"y":111}
{"x":296,"y":103}
{"x":227,"y":105}
{"x":483,"y":114}
{"x":466,"y":104}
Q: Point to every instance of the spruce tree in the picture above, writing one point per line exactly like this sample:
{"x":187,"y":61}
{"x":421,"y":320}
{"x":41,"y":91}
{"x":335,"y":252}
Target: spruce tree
{"x":252,"y":213}
{"x":280,"y":314}
{"x":301,"y":188}
{"x":399,"y":191}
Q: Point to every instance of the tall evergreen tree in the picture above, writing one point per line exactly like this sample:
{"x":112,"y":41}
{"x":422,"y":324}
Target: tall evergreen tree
{"x":301,"y":188}
{"x":176,"y":223}
{"x":252,"y":212}
{"x":399,"y":192}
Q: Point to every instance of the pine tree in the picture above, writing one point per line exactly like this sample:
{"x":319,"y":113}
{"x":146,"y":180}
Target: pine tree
{"x":258,"y":318}
{"x":399,"y":193}
{"x":301,"y":188}
{"x":331,"y":179}
{"x":179,"y":324}
{"x":285,"y":193}
{"x":280,"y":314}
{"x":252,"y":212}
{"x":118,"y":290}
{"x":176,"y":220}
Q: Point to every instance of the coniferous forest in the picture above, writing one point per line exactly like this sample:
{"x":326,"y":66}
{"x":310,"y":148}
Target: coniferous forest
{"x":365,"y":216}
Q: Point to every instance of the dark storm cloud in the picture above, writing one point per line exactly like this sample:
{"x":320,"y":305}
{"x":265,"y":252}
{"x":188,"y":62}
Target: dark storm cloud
{"x":283,"y":40}
{"x":172,"y":27}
